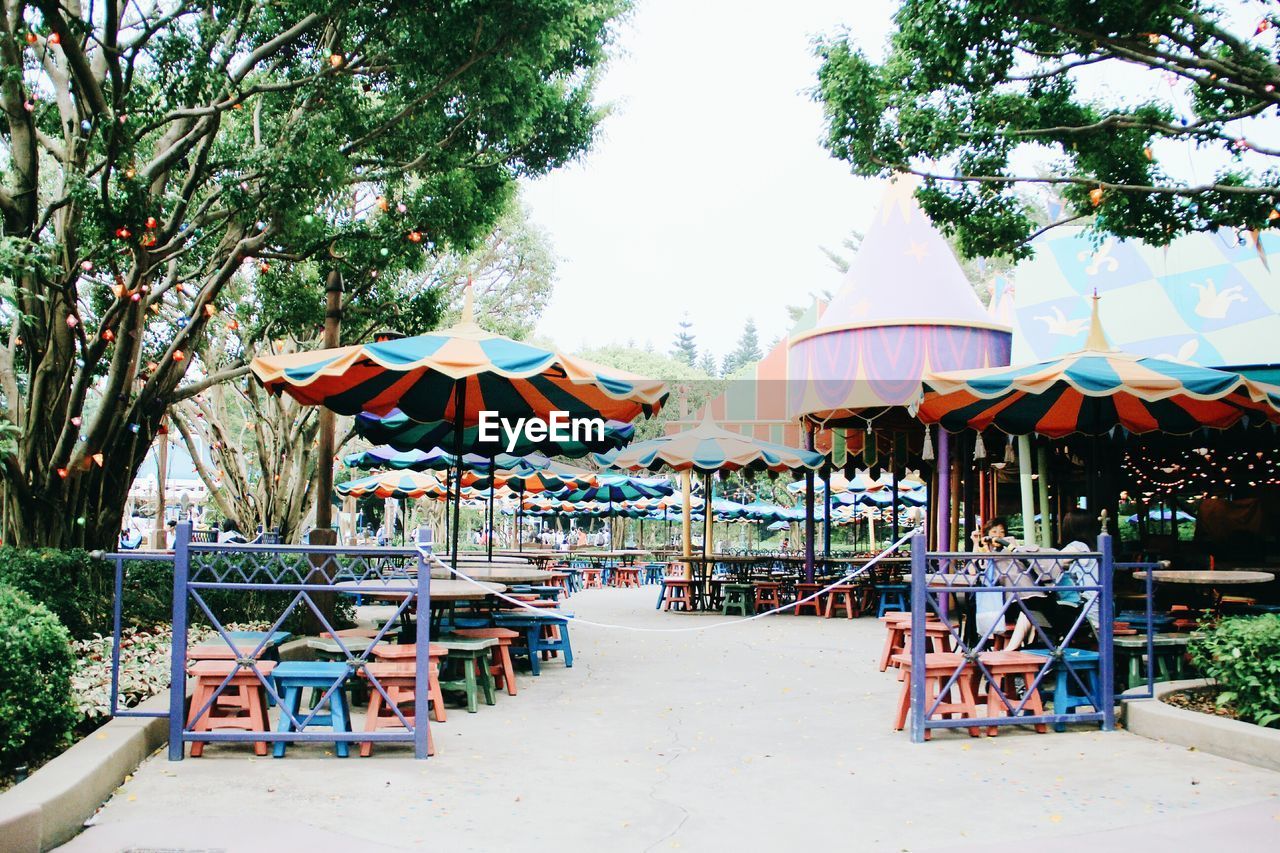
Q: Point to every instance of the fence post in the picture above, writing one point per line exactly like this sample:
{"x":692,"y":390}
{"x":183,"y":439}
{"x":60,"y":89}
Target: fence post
{"x":115,"y":635}
{"x":422,"y":659}
{"x":919,"y":606}
{"x":1106,"y":623}
{"x":178,"y":653}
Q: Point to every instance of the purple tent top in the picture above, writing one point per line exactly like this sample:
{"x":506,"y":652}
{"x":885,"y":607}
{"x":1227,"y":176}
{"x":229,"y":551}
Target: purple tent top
{"x":905,"y":307}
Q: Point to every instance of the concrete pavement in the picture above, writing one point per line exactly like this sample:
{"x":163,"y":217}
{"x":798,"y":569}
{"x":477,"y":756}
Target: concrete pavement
{"x":764,"y":736}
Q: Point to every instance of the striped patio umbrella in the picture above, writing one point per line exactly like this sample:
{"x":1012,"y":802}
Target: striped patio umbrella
{"x":453,"y":377}
{"x":617,"y":489}
{"x":401,"y":485}
{"x":1093,"y":391}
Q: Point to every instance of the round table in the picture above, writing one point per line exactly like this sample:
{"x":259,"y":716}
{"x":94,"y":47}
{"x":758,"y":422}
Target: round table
{"x":1224,"y":577}
{"x":497,"y":574}
{"x":444,"y":595}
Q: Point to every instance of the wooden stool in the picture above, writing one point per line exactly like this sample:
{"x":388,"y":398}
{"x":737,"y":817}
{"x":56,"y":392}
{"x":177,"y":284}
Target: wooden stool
{"x":768,"y":595}
{"x":840,"y":596}
{"x":938,"y":669}
{"x":626,"y":577}
{"x":591,"y":579}
{"x":398,"y":680}
{"x":1004,"y":667}
{"x":291,"y":678}
{"x":408,"y":653}
{"x":470,"y":654}
{"x":500,"y":666}
{"x":803,"y":591}
{"x":245,"y":710}
{"x":898,"y":630}
{"x":737,"y":597}
{"x":677,"y":594}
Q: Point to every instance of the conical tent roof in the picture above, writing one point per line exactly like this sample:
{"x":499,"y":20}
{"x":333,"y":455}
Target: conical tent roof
{"x":905,"y":307}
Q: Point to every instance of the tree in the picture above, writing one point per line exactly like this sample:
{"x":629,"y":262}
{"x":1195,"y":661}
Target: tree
{"x":707,"y":364}
{"x":152,"y":151}
{"x":747,"y":352}
{"x":691,"y":388}
{"x":840,"y":258}
{"x":512,"y":274}
{"x":685,"y":349}
{"x":972,"y":90}
{"x":263,"y":447}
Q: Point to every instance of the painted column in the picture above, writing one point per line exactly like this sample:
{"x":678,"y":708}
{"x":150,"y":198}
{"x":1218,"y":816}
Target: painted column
{"x":1024,"y":485}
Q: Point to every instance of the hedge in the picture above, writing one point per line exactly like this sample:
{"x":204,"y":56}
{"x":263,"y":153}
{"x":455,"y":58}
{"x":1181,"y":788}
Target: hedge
{"x":1242,"y":654}
{"x":37,"y":713}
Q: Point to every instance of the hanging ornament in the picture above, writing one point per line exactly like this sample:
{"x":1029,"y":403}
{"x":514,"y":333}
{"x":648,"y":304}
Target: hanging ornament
{"x":151,"y":222}
{"x":86,"y":126}
{"x":979,"y":448}
{"x":63,"y":472}
{"x":87,"y":266}
{"x":130,"y":172}
{"x":415,"y":236}
{"x":1147,"y":153}
{"x":264,"y":267}
{"x":76,"y":421}
{"x":123,"y":233}
{"x":926,"y":452}
{"x":135,"y":297}
{"x":1262,"y":27}
{"x":336,"y":60}
{"x":133,"y":428}
{"x":72,"y":322}
{"x":32,"y":38}
{"x":233,"y":325}
{"x":401,"y":207}
{"x":99,"y":458}
{"x":383,"y":204}
{"x":181,"y":322}
{"x":54,"y":38}
{"x":178,"y":355}
{"x":1095,"y":196}
{"x":210,"y":309}
{"x":384,"y":251}
{"x":1009,"y":458}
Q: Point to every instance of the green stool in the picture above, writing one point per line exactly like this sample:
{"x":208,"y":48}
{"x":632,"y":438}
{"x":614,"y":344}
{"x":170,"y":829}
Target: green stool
{"x":472,"y":655}
{"x":1169,"y":651}
{"x":739,"y":597}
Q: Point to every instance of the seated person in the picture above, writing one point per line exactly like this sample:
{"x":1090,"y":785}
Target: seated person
{"x":230,"y":532}
{"x":1057,"y":612}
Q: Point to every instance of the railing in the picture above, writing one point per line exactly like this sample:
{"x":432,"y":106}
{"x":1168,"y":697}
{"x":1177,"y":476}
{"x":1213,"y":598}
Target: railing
{"x":1020,"y":579}
{"x":201,"y":570}
{"x":1149,"y":632}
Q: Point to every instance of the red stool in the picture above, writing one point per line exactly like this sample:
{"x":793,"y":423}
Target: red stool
{"x":841,"y":596}
{"x":677,"y":592}
{"x":398,"y":679}
{"x":626,"y":577}
{"x":938,"y":669}
{"x":591,"y":579}
{"x":803,"y":591}
{"x":898,"y":634}
{"x":500,"y":667}
{"x":408,"y":653}
{"x":245,"y":709}
{"x":768,"y":595}
{"x":1004,"y":666}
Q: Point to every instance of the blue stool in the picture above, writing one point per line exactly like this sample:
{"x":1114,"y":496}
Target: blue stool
{"x":891,"y":596}
{"x":530,"y":626}
{"x":271,"y":650}
{"x":1084,"y":663}
{"x":573,"y":577}
{"x":546,"y":593}
{"x":291,"y":677}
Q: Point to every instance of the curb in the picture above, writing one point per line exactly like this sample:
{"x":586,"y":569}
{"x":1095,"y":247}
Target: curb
{"x":50,"y":807}
{"x":1239,"y":741}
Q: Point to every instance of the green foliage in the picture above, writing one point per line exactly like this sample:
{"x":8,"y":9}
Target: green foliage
{"x":685,"y":348}
{"x":746,"y":353}
{"x":1242,"y":654}
{"x":970,"y":89}
{"x":76,"y":588}
{"x":37,"y":715}
{"x":690,"y":383}
{"x":168,"y":174}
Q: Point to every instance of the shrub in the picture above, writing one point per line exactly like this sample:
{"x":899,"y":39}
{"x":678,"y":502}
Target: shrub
{"x":75,"y":587}
{"x":37,"y":714}
{"x":1242,"y":654}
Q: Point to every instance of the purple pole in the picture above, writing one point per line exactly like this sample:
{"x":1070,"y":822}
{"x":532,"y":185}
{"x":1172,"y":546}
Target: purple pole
{"x":944,"y":491}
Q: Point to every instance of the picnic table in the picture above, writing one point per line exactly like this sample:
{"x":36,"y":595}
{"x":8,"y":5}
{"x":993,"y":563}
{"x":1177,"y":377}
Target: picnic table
{"x":445,"y":594}
{"x":1210,"y":578}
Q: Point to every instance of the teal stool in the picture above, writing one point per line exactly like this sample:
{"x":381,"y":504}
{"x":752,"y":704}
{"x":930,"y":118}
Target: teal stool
{"x":291,"y":677}
{"x":1084,"y":663}
{"x":739,"y":597}
{"x":891,"y":596}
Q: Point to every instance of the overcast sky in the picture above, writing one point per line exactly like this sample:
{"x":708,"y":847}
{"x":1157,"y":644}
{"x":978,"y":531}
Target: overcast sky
{"x":708,"y":190}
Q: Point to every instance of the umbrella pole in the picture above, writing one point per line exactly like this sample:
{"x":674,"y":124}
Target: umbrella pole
{"x":459,"y":424}
{"x":520,"y":522}
{"x":826,"y":516}
{"x":686,"y":484}
{"x":943,"y":521}
{"x":1042,"y":463}
{"x":1024,"y":485}
{"x":808,"y":526}
{"x":893,"y":462}
{"x":489,"y":533}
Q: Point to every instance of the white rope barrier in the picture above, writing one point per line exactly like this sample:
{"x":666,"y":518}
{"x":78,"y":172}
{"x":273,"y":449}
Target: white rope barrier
{"x":848,"y":576}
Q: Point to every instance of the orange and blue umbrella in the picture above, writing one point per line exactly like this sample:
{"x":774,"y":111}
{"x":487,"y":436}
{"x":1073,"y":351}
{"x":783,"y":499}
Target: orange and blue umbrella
{"x":401,"y":485}
{"x":1095,"y":390}
{"x":708,"y":447}
{"x":454,"y":375}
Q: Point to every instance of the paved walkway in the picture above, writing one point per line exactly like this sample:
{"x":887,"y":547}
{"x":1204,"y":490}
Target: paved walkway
{"x":764,"y":736}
